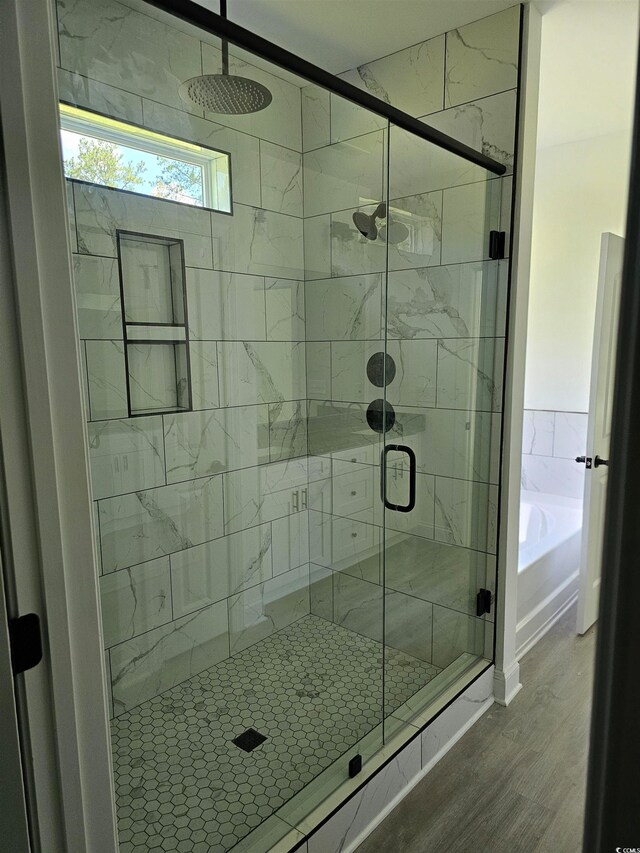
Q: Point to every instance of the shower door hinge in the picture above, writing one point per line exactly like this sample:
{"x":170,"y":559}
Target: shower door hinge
{"x":483,"y":602}
{"x":355,"y":766}
{"x":497,"y":242}
{"x":25,"y":638}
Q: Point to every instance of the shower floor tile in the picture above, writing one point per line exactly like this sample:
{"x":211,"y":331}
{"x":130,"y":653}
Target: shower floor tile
{"x":312,"y":690}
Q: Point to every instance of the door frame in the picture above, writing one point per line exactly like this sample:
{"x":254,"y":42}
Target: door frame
{"x":51,"y":566}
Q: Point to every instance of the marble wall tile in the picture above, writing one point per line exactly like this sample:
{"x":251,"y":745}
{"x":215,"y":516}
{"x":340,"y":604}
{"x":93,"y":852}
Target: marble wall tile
{"x":214,"y":570}
{"x":281,"y":122}
{"x":135,"y":600}
{"x":149,"y":524}
{"x":538,"y":432}
{"x":316,"y":130}
{"x":137,"y":53}
{"x":204,"y":375}
{"x":321,"y":592}
{"x":466,"y":514}
{"x":347,"y":308}
{"x":81,"y":91}
{"x":420,"y":521}
{"x":287,"y":430}
{"x":225,"y":306}
{"x":317,"y":247}
{"x":106,"y":379}
{"x":470,"y":373}
{"x":285,"y":309}
{"x":259,"y":611}
{"x":281,"y":179}
{"x":348,"y":120}
{"x":570,"y":438}
{"x":553,"y":476}
{"x":455,"y":634}
{"x":469,"y":213}
{"x":259,"y":242}
{"x":243,"y":149}
{"x":351,"y":253}
{"x":459,"y":301}
{"x":345,"y":545}
{"x":97,"y":289}
{"x":290,"y":542}
{"x":358,"y":605}
{"x":261,"y":372}
{"x":156,"y":376}
{"x":410,"y":79}
{"x":158,"y":660}
{"x":198,"y":444}
{"x":125,"y":456}
{"x":335,"y":427}
{"x":100,"y":211}
{"x":408,"y":624}
{"x":255,"y":495}
{"x":482,"y":57}
{"x":318,"y":358}
{"x":344,"y":175}
{"x":422,"y":217}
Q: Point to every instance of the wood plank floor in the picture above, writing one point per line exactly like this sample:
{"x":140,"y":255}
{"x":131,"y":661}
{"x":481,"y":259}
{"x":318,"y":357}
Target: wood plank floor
{"x":515,"y":782}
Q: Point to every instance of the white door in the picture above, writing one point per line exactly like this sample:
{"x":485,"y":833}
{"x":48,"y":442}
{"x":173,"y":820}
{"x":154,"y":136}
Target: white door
{"x":599,"y":426}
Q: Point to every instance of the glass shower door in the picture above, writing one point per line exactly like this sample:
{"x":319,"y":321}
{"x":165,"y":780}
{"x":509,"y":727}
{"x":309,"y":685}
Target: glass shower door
{"x":444,"y":336}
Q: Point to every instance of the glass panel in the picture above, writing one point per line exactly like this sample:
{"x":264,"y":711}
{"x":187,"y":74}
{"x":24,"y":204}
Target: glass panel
{"x":444,"y":343}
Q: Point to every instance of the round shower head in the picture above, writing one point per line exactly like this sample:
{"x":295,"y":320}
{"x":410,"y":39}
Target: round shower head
{"x":396,"y":232}
{"x":366,"y":224}
{"x":225,"y":93}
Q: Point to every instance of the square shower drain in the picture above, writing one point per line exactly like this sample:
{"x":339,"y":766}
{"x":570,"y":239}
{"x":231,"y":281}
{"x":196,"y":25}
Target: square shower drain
{"x":249,"y":740}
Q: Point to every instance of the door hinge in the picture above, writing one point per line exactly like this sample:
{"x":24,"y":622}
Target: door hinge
{"x":355,"y":766}
{"x":26,"y":642}
{"x":497,"y":242}
{"x":483,"y":602}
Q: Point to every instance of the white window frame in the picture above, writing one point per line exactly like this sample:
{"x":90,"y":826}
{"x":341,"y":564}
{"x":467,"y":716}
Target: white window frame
{"x":215,"y":164}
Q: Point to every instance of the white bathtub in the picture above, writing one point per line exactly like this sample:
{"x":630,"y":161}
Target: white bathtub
{"x":548,"y":562}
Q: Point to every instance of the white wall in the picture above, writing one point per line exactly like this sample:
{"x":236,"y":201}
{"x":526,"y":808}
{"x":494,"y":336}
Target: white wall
{"x":585,"y":114}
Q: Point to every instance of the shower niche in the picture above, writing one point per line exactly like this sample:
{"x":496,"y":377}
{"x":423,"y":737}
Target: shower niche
{"x":154,"y":321}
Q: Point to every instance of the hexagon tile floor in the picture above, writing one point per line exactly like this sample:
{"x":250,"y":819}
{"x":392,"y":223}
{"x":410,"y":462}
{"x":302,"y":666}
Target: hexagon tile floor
{"x":313,"y":689}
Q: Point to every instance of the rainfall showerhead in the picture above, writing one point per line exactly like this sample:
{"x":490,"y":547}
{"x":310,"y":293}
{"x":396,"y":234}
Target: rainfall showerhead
{"x":393,"y":232}
{"x":225,"y":93}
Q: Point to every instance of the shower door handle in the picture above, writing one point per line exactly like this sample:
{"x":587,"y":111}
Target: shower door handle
{"x":402,"y":448}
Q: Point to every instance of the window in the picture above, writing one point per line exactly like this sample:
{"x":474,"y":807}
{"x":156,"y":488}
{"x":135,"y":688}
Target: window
{"x":115,"y":154}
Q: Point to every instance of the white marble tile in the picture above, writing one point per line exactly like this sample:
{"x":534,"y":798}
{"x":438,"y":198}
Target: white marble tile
{"x":466,"y":514}
{"x":243,"y":149}
{"x":204,"y":375}
{"x":455,"y":634}
{"x":97,"y":289}
{"x":106,"y":379}
{"x":358,"y":605}
{"x":318,"y":358}
{"x":125,"y":456}
{"x":470,"y":373}
{"x":336,"y":427}
{"x":81,"y":91}
{"x":281,"y":179}
{"x":214,"y":570}
{"x":317,"y":247}
{"x":256,"y":372}
{"x":149,"y":524}
{"x":345,"y":827}
{"x":259,"y":242}
{"x":570,"y":438}
{"x":349,"y":120}
{"x":553,"y":475}
{"x":255,"y":495}
{"x":537,"y":434}
{"x":351,"y":253}
{"x":321,"y":591}
{"x":198,"y":444}
{"x":469,"y":213}
{"x":158,"y":660}
{"x":225,"y":306}
{"x":107,"y":684}
{"x":122,"y":47}
{"x":157,"y":376}
{"x":287,"y":430}
{"x":290,"y":542}
{"x":421,"y":216}
{"x":459,"y":301}
{"x":316,"y":130}
{"x":281,"y":121}
{"x":100,"y":211}
{"x":437,"y":735}
{"x":273,"y":835}
{"x":344,"y":175}
{"x":135,"y":600}
{"x":348,"y":308}
{"x":259,"y":611}
{"x":408,"y":624}
{"x":285,"y":309}
{"x":482,"y":57}
{"x":420,"y":521}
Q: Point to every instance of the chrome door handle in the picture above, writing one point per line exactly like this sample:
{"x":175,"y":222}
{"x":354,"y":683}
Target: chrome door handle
{"x":597,"y":462}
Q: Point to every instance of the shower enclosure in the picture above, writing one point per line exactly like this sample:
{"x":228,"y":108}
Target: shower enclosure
{"x":291,"y":327}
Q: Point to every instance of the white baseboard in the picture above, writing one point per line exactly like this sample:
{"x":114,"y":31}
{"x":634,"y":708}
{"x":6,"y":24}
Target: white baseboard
{"x":506,"y":684}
